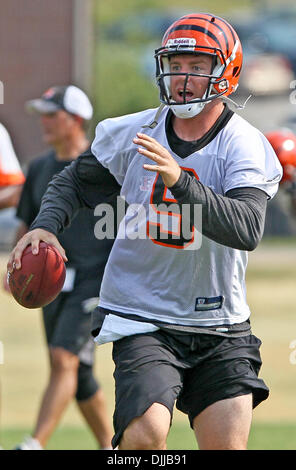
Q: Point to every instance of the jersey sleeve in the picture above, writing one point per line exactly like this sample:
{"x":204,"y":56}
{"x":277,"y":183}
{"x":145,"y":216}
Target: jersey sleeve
{"x":251,"y":162}
{"x":113,"y":144}
{"x":106,"y":149}
{"x":10,"y":170}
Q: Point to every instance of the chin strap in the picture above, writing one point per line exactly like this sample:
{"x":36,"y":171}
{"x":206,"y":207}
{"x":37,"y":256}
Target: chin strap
{"x":155,"y":121}
{"x":237,"y":106}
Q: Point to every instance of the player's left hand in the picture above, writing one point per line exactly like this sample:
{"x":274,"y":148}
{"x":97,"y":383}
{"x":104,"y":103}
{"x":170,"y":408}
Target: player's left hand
{"x":165,"y":164}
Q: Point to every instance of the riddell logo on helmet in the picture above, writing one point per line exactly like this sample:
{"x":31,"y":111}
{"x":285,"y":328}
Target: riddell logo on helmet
{"x":187,"y":42}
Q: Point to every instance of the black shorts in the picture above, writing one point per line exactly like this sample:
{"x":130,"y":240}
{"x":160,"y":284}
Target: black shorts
{"x":67,"y":325}
{"x":194,"y":371}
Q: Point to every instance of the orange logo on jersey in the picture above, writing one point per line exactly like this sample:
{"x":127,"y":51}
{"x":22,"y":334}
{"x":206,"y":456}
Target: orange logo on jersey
{"x":164,"y":227}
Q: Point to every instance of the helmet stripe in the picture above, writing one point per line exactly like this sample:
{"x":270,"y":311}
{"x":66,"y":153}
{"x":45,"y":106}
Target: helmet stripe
{"x":217,"y":26}
{"x":229,"y":27}
{"x":195,"y":28}
{"x":213,"y":22}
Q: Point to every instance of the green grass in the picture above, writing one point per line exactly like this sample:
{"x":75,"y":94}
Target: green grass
{"x":64,"y":438}
{"x":263,"y":436}
{"x":273,"y":436}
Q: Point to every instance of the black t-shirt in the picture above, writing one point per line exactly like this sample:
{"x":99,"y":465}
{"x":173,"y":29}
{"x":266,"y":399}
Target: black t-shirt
{"x":185,"y":148}
{"x":83,"y":250}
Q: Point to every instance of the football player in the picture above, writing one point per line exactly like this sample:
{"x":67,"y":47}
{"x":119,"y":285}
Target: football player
{"x":173,"y":302}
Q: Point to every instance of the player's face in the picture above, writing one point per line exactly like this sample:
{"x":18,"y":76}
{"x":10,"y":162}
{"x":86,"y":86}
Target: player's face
{"x":56,"y":127}
{"x":196,"y":86}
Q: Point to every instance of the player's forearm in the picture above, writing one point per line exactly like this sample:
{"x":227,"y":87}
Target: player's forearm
{"x":236,"y":220}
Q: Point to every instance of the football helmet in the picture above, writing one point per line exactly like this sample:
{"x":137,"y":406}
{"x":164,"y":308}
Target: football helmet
{"x":200,"y":33}
{"x":283,"y":142}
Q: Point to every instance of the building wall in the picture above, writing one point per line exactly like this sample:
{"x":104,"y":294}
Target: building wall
{"x":36,"y":52}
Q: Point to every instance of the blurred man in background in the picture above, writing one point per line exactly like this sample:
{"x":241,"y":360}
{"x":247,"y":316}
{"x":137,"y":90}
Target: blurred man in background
{"x":64,"y":112}
{"x":11,"y":175}
{"x":283,"y":142}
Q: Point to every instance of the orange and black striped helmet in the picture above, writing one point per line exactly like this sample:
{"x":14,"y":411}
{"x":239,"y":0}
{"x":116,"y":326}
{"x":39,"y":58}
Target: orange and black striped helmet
{"x":283,"y":142}
{"x":201,"y":33}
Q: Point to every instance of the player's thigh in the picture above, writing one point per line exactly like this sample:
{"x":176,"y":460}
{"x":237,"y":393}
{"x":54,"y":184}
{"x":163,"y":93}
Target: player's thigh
{"x":230,"y":369}
{"x":225,"y":424}
{"x":144,"y":374}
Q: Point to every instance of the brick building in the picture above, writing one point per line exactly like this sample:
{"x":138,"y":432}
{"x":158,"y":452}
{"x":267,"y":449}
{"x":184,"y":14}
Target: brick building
{"x":42,"y":43}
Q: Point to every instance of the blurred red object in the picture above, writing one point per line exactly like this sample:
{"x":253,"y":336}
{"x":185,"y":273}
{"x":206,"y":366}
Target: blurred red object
{"x":283,"y":142}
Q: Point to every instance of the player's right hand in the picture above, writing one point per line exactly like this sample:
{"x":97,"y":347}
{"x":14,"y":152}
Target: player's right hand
{"x":34,"y":237}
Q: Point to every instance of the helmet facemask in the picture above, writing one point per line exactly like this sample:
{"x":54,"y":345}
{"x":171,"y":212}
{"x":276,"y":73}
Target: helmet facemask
{"x":189,"y":108}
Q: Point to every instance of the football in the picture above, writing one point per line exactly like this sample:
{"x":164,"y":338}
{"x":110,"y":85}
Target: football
{"x":40,"y":278}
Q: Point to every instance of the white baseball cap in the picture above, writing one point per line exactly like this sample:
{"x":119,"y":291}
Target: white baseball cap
{"x":69,"y":98}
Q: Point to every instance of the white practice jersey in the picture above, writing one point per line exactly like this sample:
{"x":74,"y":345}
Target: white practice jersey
{"x":152,"y":276}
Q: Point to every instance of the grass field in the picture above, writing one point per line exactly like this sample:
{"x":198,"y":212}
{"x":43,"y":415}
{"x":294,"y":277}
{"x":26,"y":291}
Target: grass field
{"x":270,"y":287}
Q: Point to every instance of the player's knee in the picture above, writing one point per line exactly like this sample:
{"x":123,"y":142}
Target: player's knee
{"x":143,"y":436}
{"x":87,"y":385}
{"x":63,"y":360}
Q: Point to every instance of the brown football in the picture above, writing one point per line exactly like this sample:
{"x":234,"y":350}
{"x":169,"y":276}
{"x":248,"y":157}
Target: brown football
{"x":40,"y":278}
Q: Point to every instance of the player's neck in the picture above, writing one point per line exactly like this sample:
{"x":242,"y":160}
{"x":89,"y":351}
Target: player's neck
{"x":195,"y":128}
{"x":70,"y":149}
